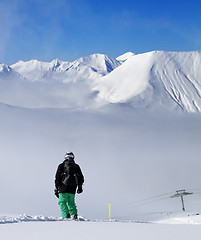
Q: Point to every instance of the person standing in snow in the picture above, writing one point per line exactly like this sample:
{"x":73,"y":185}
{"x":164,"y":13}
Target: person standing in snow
{"x":68,"y":179}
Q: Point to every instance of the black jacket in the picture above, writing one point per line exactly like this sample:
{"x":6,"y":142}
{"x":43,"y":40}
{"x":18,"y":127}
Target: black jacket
{"x":60,"y":176}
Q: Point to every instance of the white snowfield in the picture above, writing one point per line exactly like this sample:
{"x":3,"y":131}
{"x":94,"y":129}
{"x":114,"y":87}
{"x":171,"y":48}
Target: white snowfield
{"x":40,"y":228}
{"x":154,"y":80}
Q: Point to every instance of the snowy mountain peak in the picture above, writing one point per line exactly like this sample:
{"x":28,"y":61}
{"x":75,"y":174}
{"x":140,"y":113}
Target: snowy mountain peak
{"x":5,"y":68}
{"x":125,"y":56}
{"x":99,"y":62}
{"x":7,"y":73}
{"x":89,"y":67}
{"x":55,"y":64}
{"x":29,"y":65}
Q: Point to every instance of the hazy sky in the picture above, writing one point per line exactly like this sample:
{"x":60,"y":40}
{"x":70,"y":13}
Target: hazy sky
{"x":69,"y":29}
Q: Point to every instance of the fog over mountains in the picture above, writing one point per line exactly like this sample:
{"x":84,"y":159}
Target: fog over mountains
{"x":155,"y":80}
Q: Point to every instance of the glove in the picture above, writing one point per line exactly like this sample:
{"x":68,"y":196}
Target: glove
{"x":79,"y":190}
{"x":56,"y":192}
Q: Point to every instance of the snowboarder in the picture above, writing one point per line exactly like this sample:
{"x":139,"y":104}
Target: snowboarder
{"x":68,"y":179}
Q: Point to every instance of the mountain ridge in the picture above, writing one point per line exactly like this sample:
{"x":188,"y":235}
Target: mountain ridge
{"x":153,"y":80}
{"x":90,"y":67}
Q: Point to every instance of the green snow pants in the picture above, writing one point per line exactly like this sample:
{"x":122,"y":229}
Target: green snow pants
{"x":67,"y":204}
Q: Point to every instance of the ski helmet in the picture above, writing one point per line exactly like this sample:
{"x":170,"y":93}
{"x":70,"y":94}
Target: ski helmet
{"x":69,"y":155}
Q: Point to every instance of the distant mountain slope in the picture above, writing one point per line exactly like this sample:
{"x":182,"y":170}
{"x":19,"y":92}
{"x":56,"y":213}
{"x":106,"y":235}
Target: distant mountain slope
{"x":7,"y":73}
{"x":165,"y":80}
{"x":55,"y":84}
{"x":85,"y":68}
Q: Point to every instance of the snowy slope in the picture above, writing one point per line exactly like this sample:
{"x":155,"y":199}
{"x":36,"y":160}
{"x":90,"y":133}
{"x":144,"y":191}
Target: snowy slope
{"x":180,"y":218}
{"x":86,"y":68}
{"x":160,"y":80}
{"x":7,"y":73}
{"x":90,"y":230}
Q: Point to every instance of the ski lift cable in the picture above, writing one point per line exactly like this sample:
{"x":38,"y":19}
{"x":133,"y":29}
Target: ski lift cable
{"x":156,"y":200}
{"x":147,"y":202}
{"x":150,"y":198}
{"x":140,"y":204}
{"x":158,"y":196}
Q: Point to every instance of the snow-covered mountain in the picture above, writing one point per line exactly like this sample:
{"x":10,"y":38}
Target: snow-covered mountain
{"x":153,"y":80}
{"x":85,"y":68}
{"x":56,"y":84}
{"x":125,"y":56}
{"x":8,"y":73}
{"x":4,"y":68}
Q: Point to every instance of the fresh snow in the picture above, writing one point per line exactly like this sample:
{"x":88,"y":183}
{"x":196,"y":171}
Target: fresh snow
{"x":40,"y":228}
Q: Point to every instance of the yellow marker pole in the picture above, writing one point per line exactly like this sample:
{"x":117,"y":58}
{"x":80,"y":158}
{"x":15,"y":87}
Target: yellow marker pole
{"x":109,"y":211}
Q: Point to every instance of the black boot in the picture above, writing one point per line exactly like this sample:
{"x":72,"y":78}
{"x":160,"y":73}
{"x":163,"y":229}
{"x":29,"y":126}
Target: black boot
{"x":74,"y":216}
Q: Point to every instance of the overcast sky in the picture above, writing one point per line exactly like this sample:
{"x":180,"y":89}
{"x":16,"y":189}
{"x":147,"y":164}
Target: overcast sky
{"x":69,"y":29}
